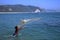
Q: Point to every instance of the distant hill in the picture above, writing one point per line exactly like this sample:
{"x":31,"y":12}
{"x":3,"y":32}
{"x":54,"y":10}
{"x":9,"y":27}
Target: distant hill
{"x":18,"y":8}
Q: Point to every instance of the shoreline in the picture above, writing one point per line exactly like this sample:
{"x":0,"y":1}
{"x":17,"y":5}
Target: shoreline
{"x":14,"y":12}
{"x":21,"y":12}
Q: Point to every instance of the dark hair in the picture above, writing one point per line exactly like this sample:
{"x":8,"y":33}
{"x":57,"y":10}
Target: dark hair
{"x":16,"y":27}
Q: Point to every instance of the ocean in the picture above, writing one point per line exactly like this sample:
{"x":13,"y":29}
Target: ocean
{"x":47,"y":28}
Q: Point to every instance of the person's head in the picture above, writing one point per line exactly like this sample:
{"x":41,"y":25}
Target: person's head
{"x":16,"y":27}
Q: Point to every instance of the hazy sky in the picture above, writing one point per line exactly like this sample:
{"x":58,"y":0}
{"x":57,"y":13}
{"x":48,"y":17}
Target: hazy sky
{"x":47,"y":4}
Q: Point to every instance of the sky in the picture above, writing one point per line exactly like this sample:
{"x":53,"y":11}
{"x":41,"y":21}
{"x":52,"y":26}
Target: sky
{"x":45,"y":4}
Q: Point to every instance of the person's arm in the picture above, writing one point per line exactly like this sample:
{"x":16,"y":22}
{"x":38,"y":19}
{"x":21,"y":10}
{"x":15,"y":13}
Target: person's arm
{"x":21,"y":27}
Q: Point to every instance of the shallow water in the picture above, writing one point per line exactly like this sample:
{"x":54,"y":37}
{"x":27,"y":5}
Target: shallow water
{"x":47,"y":28}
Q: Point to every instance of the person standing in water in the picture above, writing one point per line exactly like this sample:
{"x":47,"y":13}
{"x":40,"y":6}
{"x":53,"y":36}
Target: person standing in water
{"x":16,"y":30}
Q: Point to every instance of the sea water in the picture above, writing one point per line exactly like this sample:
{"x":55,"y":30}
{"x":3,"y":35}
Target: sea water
{"x":47,"y":28}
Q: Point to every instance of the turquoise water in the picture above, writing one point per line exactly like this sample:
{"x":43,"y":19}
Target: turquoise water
{"x":47,"y":28}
